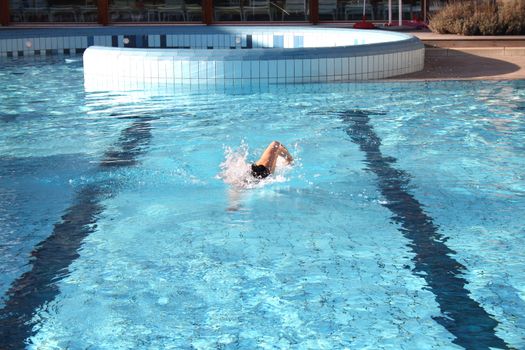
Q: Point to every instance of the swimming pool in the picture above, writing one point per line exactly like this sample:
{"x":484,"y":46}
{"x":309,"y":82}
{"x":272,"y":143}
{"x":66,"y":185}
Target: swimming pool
{"x":399,"y":226}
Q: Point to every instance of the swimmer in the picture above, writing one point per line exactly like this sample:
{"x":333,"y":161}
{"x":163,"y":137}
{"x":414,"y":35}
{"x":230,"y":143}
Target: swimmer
{"x":266,"y":164}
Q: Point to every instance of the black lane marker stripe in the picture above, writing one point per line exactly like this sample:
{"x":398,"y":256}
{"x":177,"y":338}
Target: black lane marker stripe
{"x":131,"y":144}
{"x":462,"y":316}
{"x":51,"y":258}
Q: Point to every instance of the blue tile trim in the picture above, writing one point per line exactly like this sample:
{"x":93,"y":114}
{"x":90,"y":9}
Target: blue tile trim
{"x":281,"y":53}
{"x":278,"y":41}
{"x":299,"y":34}
{"x":139,"y":40}
{"x":298,"y":42}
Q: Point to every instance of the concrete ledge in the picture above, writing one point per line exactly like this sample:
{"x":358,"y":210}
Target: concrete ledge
{"x":476,"y":42}
{"x":476,"y":51}
{"x":456,"y":57}
{"x":451,"y":40}
{"x":515,"y":51}
{"x":486,"y":46}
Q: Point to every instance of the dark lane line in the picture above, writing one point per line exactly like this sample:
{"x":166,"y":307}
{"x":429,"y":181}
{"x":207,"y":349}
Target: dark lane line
{"x":462,"y":316}
{"x":52,"y":257}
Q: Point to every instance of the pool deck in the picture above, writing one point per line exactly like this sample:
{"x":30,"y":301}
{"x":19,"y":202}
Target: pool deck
{"x":456,"y":57}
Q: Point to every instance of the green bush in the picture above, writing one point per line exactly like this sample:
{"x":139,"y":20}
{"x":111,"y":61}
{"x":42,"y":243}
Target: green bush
{"x":474,"y":18}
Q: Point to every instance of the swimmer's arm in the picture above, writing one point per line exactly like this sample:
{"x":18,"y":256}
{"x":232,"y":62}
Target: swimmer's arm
{"x":283,"y":152}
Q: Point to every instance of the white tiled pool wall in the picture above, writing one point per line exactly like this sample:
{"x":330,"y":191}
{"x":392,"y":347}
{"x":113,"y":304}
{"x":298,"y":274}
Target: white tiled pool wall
{"x":128,"y":71}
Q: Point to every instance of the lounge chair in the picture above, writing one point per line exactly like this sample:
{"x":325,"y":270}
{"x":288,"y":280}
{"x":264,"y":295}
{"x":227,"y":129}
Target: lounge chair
{"x":295,"y":7}
{"x":257,"y":7}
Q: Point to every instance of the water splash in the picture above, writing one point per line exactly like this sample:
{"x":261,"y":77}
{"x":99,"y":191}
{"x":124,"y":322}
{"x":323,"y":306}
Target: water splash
{"x":236,"y":169}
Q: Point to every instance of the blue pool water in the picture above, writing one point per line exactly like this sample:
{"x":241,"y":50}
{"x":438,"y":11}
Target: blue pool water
{"x":123,"y":225}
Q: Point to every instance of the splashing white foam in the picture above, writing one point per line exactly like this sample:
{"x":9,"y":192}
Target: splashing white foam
{"x":236,"y":170}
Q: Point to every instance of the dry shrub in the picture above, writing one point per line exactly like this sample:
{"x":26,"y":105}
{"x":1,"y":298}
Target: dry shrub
{"x":471,"y":18}
{"x":449,"y":20}
{"x":485,"y":21}
{"x":513,"y":14}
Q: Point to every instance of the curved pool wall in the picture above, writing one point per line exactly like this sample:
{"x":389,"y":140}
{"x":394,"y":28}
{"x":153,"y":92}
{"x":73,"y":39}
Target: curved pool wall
{"x":255,"y":55}
{"x":216,"y":55}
